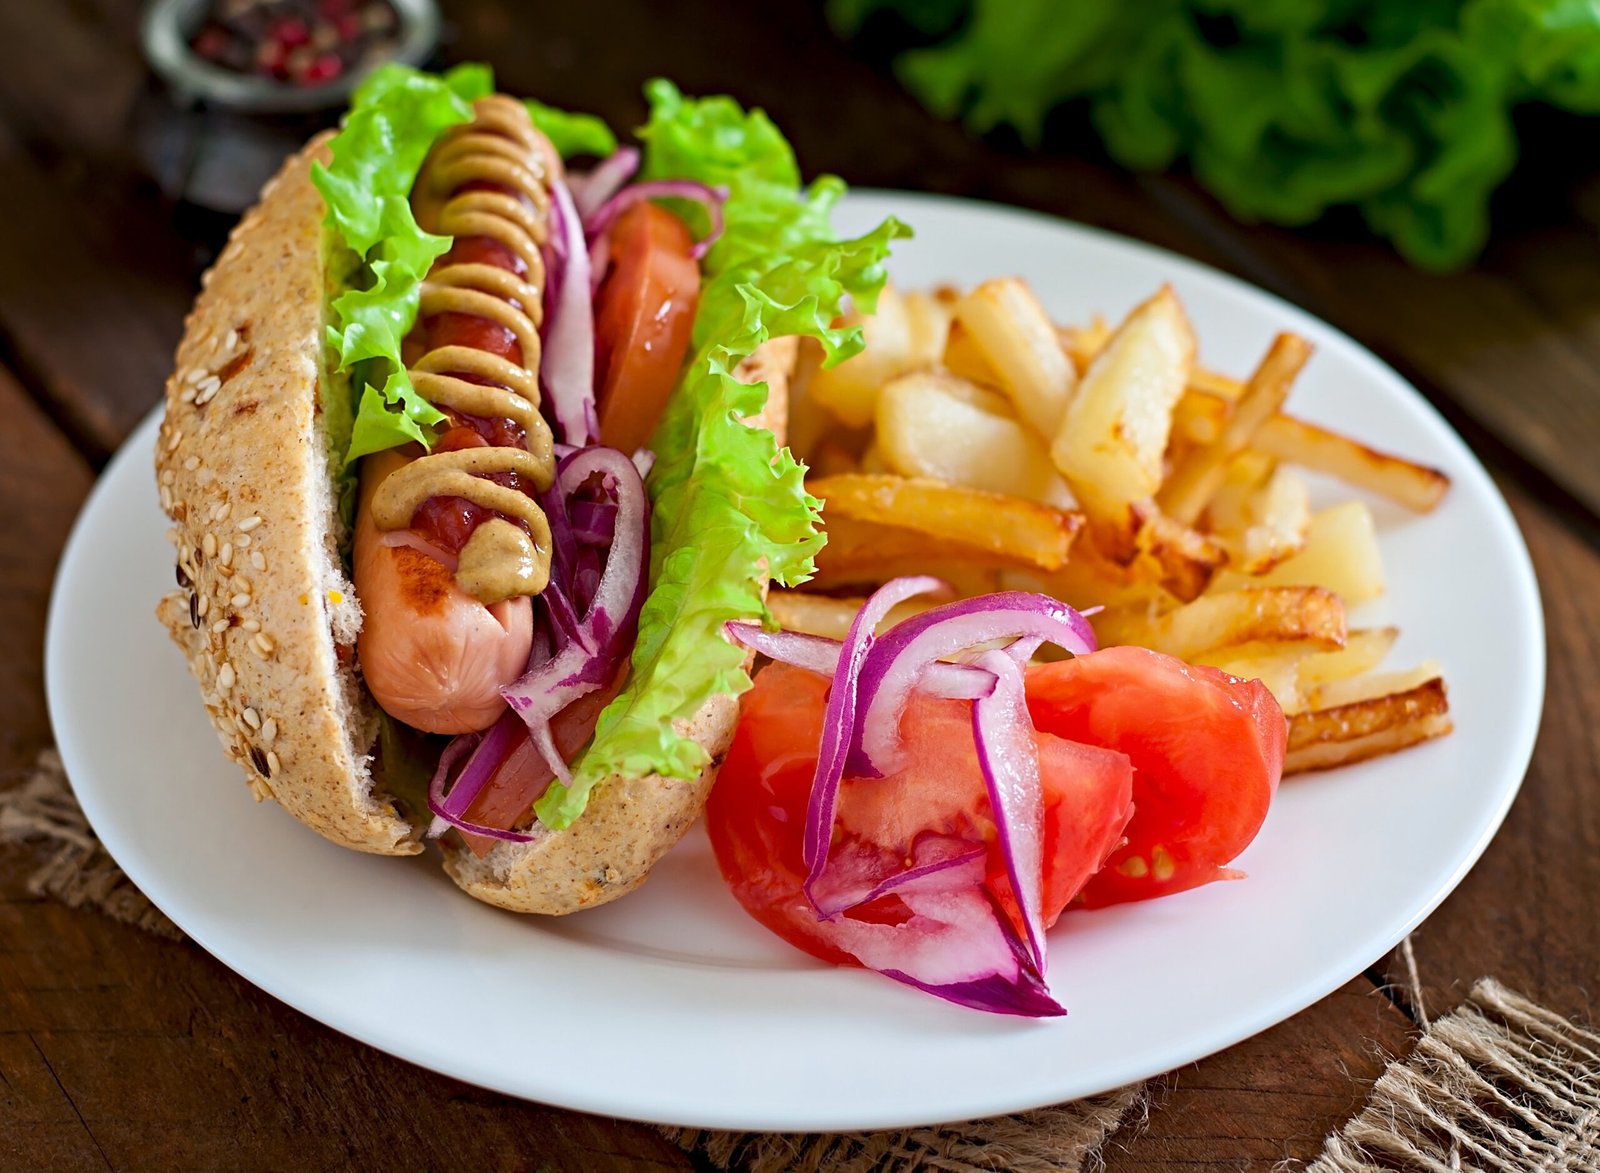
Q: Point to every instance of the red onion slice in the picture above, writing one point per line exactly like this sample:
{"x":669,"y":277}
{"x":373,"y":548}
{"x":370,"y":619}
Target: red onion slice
{"x":839,"y":722}
{"x":487,"y":751}
{"x":859,"y":872}
{"x":603,"y":181}
{"x":603,"y":633}
{"x":904,"y":652}
{"x":1009,"y":760}
{"x":957,"y":682}
{"x":566,"y":368}
{"x":711,"y":198}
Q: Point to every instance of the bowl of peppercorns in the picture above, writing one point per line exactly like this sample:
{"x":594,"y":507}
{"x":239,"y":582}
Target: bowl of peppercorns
{"x":281,"y":56}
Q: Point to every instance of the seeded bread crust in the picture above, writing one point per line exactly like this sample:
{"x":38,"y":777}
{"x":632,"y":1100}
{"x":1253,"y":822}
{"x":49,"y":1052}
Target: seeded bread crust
{"x":243,"y":466}
{"x":630,"y":823}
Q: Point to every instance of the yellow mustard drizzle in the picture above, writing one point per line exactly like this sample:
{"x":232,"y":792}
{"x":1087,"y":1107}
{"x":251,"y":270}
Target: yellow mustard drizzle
{"x":499,"y":146}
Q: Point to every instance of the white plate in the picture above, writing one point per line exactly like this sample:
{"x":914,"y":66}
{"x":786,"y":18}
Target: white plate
{"x":671,"y":1005}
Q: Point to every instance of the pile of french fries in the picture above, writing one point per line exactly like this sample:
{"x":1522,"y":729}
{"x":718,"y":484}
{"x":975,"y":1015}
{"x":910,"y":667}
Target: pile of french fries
{"x":976,"y":439}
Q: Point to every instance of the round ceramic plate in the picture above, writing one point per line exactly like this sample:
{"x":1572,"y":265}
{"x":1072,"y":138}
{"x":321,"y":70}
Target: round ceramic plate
{"x":671,"y":1005}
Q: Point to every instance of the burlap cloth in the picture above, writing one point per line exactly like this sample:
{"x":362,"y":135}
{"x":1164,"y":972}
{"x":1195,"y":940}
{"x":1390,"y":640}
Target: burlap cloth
{"x":1499,"y":1083}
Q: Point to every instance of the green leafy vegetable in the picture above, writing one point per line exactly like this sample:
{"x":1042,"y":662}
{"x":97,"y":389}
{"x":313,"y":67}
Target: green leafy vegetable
{"x":397,"y":114}
{"x":727,"y":501}
{"x":572,"y":134}
{"x":1283,"y":108}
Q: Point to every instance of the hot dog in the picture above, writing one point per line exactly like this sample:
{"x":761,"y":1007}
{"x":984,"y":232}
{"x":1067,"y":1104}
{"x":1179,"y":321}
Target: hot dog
{"x":506,"y":603}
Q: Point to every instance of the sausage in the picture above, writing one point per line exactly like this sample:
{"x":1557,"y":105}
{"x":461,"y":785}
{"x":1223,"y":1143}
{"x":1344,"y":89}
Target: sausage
{"x":439,"y":641}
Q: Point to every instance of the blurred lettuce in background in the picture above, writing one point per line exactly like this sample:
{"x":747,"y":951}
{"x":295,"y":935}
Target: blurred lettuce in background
{"x":1282,"y":108}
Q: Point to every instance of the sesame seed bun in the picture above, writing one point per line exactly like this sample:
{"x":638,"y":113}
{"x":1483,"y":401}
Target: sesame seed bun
{"x":244,"y":467}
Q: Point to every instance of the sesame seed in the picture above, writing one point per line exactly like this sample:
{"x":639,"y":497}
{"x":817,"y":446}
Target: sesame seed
{"x":258,"y":559}
{"x":225,"y":555}
{"x":223,"y":510}
{"x":194,"y":613}
{"x":251,"y":625}
{"x":166,"y":499}
{"x":168,"y":476}
{"x":191,"y":464}
{"x":273,"y":764}
{"x":240,"y":600}
{"x":259,"y":761}
{"x":225,"y":725}
{"x":193,"y":375}
{"x":208,"y":391}
{"x":187,"y":395}
{"x":252,"y":718}
{"x":242,"y":541}
{"x":249,"y":523}
{"x":264,"y":643}
{"x":220,"y":625}
{"x":225,"y":677}
{"x":175,"y":439}
{"x":203,"y":606}
{"x":209,"y":545}
{"x":244,"y":586}
{"x":231,"y":340}
{"x":269,"y":730}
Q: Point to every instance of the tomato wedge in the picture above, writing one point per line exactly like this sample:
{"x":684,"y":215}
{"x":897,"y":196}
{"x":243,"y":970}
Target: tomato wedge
{"x":1207,"y":751}
{"x":757,"y":809}
{"x":644,"y":315}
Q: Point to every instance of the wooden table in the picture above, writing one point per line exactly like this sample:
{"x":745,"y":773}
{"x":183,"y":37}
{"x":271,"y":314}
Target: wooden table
{"x":120,"y":1049}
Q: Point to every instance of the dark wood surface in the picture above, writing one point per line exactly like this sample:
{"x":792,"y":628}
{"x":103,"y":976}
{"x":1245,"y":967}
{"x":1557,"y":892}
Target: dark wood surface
{"x":120,"y":1049}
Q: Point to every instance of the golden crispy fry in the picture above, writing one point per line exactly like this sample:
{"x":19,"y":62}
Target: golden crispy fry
{"x":1340,"y":553}
{"x":850,"y":390}
{"x":1112,"y":441}
{"x":831,"y":617}
{"x":1191,"y":484}
{"x":1355,"y":689}
{"x":973,"y":524}
{"x":966,"y":360}
{"x":1416,"y":486}
{"x":1324,"y":738}
{"x":1082,"y":343}
{"x":1271,"y":524}
{"x":1364,"y":649}
{"x":1186,"y":560}
{"x":928,"y":329}
{"x":1013,"y":333}
{"x":1276,"y":668}
{"x":948,"y":429}
{"x":1199,"y":416}
{"x":1239,"y":619}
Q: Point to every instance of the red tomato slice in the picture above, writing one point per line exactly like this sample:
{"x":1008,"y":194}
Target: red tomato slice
{"x":757,"y":809}
{"x":643,"y":318}
{"x":1207,"y":752}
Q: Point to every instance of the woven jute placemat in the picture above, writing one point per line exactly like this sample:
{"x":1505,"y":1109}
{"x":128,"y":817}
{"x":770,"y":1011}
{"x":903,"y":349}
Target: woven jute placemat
{"x":1499,"y":1083}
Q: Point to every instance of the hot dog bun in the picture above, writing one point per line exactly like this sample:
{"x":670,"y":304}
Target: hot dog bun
{"x":245,"y":469}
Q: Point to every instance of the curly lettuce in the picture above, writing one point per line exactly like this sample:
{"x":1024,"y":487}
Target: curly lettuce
{"x":396,"y":115}
{"x":729,"y":506}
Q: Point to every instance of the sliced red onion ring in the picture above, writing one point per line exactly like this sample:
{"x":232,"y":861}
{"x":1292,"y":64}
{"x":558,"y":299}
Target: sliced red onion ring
{"x":904,"y":652}
{"x":711,"y":198}
{"x":1008,"y":757}
{"x":487,"y":751}
{"x":413,"y":540}
{"x":602,"y":182}
{"x":566,"y":368}
{"x":603,"y":632}
{"x":957,"y":682}
{"x":859,"y":872}
{"x":839,"y":722}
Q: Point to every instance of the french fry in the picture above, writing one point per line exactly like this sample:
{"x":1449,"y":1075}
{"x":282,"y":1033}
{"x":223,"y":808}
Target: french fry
{"x":1199,"y":416}
{"x":947,"y":429}
{"x":1271,"y":524}
{"x":1416,"y":486}
{"x":1340,"y":553}
{"x":1321,"y":739}
{"x":1241,"y":619}
{"x":1013,"y":530}
{"x":850,"y":390}
{"x":1278,"y":669}
{"x":1369,"y":686}
{"x":1082,"y":343}
{"x":964,"y":359}
{"x":928,"y":329}
{"x":1191,"y":484}
{"x":1364,"y":649}
{"x":1008,"y":325}
{"x":1114,"y":435}
{"x":1185,"y":559}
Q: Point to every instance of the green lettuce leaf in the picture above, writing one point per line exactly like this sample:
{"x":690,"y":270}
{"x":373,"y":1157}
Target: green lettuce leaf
{"x":726,"y":500}
{"x":572,"y":134}
{"x":394,"y":119}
